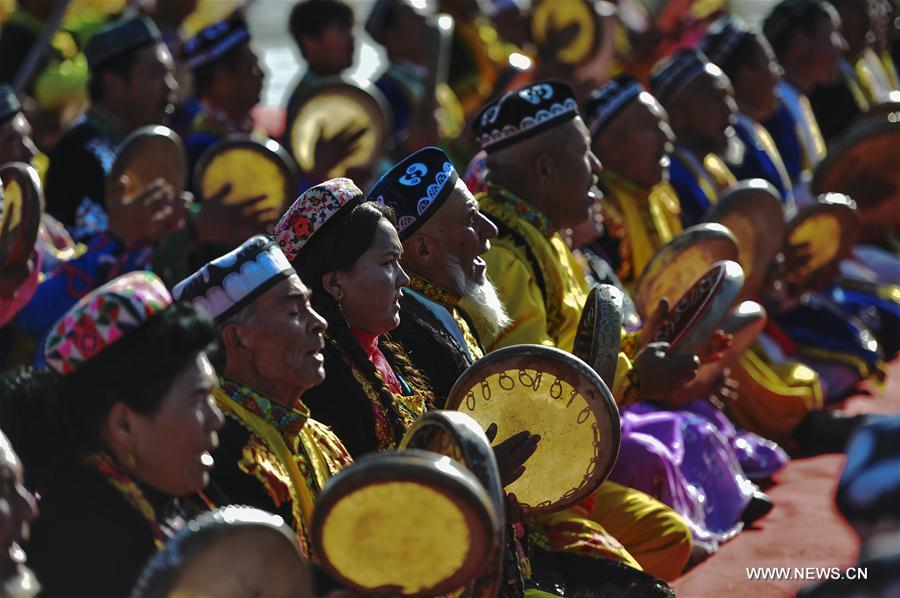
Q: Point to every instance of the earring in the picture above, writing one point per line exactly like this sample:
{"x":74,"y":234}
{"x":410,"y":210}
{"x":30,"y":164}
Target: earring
{"x":130,"y":460}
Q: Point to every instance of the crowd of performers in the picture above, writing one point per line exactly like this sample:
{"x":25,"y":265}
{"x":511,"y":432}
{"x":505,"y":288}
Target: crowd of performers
{"x":169,"y":355}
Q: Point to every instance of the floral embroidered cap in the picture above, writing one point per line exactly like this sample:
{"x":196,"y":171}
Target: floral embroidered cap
{"x":227,"y":284}
{"x":608,"y":100}
{"x":415,"y":188}
{"x":517,"y":115}
{"x":103,"y":317}
{"x":312,"y":211}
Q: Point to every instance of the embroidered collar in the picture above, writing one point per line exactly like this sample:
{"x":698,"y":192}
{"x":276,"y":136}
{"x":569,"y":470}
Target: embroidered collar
{"x":433,"y":291}
{"x":287,"y":420}
{"x":215,"y":119}
{"x":631,"y":188}
{"x":522,"y":209}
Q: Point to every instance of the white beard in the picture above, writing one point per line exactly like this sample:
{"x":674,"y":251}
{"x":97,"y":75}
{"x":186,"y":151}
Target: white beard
{"x":484,"y":296}
{"x":23,"y":584}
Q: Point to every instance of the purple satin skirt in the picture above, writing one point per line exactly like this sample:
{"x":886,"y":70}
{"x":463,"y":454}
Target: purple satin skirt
{"x":695,"y":461}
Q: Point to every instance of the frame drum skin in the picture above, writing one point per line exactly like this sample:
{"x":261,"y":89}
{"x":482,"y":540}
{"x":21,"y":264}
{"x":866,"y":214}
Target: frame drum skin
{"x":20,"y":214}
{"x":147,"y":154}
{"x":600,"y":331}
{"x":552,"y":393}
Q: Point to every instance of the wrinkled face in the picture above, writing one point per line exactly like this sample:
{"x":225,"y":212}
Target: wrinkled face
{"x":172,"y":446}
{"x":754,"y":84}
{"x":15,"y":141}
{"x":636,"y":143}
{"x":577,"y":169}
{"x":285,"y":337}
{"x":152,"y":90}
{"x":247,"y":78}
{"x":459,"y":234}
{"x":372,"y":287}
{"x":17,"y":510}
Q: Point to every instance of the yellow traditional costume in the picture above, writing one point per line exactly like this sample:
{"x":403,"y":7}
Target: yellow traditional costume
{"x":543,"y":288}
{"x":289,"y":454}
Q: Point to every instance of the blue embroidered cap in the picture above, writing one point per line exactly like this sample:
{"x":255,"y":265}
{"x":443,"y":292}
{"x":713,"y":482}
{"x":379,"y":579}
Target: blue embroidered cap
{"x":606,"y":101}
{"x":723,"y":38}
{"x":672,"y":76}
{"x":415,"y":188}
{"x":214,"y":41}
{"x":517,"y":115}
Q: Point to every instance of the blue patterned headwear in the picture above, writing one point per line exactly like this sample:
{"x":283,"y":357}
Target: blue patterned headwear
{"x":415,"y":188}
{"x":523,"y":113}
{"x":723,"y":38}
{"x":671,"y":77}
{"x":608,"y":100}
{"x":216,"y":40}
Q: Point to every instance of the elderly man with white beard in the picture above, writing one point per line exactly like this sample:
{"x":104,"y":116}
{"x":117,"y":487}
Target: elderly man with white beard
{"x":443,"y":237}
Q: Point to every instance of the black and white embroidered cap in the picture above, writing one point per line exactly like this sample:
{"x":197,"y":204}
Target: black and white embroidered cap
{"x":214,"y":41}
{"x":723,"y":38}
{"x":229,"y":283}
{"x":523,"y":113}
{"x":415,"y":188}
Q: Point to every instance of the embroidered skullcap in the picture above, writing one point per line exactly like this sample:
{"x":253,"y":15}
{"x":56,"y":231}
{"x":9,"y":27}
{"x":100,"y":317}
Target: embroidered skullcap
{"x":869,"y":487}
{"x":312,"y":211}
{"x":475,"y":176}
{"x":103,"y":317}
{"x":723,"y":38}
{"x":216,"y":40}
{"x":416,"y":187}
{"x":233,"y":281}
{"x":672,"y":76}
{"x":118,"y":38}
{"x":607,"y":101}
{"x":523,"y":113}
{"x":9,"y":103}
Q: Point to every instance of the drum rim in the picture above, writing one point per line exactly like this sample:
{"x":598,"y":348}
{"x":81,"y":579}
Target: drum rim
{"x":843,"y":208}
{"x":360,"y":89}
{"x":417,"y":467}
{"x":469,"y":436}
{"x":29,"y":182}
{"x":143,"y":135}
{"x":603,"y":404}
{"x":614,"y":301}
{"x":702,"y":321}
{"x":868,"y":129}
{"x":596,"y":24}
{"x":270,"y":149}
{"x":705,"y":232}
{"x":768,"y":212}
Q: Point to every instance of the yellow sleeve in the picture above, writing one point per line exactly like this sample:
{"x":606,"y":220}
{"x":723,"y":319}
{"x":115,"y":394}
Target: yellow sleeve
{"x":521,"y":296}
{"x":622,"y":383}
